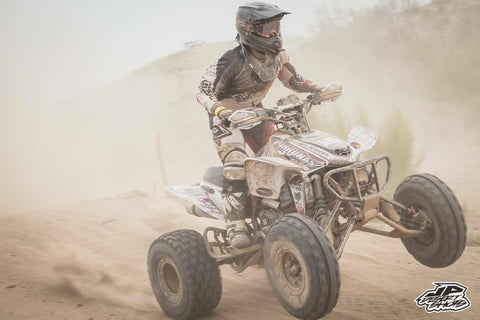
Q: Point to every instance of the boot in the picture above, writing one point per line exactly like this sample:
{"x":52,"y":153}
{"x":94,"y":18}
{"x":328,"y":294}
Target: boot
{"x":235,"y":196}
{"x":237,"y":234}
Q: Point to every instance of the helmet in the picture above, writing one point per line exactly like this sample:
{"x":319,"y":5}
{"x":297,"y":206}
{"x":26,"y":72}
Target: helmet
{"x":258,"y":26}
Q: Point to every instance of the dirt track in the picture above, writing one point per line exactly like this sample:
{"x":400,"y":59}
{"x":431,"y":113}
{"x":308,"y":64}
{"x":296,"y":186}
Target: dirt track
{"x":87,"y":261}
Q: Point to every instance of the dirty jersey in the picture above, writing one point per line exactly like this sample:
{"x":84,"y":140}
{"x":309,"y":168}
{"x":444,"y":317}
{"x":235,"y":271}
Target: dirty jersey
{"x":233,"y":82}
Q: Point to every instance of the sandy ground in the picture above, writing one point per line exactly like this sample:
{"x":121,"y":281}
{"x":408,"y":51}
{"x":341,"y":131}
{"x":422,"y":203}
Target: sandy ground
{"x":87,"y":261}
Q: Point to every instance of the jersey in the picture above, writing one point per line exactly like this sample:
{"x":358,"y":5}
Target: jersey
{"x":233,"y":83}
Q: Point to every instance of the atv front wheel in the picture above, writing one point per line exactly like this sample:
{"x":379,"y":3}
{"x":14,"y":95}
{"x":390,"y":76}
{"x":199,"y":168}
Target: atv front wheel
{"x":184,"y":278}
{"x":302,"y":267}
{"x":444,"y":240}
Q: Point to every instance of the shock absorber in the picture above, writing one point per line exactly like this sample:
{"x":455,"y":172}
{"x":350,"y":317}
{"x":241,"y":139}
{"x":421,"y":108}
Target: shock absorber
{"x":309,"y":194}
{"x":319,"y":194}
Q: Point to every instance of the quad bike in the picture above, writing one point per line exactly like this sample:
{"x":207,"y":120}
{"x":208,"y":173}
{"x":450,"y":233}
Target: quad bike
{"x":308,"y":191}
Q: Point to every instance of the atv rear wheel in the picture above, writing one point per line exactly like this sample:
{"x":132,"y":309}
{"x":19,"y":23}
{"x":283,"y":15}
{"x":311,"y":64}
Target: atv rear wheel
{"x":444,"y":240}
{"x":302,"y":267}
{"x":184,"y":278}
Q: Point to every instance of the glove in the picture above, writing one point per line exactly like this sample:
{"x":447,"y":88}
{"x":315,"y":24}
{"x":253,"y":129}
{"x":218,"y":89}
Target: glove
{"x":332,"y":91}
{"x":316,"y":97}
{"x":222,"y":113}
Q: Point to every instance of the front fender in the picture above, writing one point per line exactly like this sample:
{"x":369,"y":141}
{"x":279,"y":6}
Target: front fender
{"x":266,"y":175}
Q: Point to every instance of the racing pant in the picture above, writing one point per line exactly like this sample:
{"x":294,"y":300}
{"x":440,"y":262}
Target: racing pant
{"x":231,"y":148}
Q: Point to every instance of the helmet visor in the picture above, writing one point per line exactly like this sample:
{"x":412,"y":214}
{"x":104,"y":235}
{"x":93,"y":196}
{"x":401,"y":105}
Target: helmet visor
{"x":267,"y":29}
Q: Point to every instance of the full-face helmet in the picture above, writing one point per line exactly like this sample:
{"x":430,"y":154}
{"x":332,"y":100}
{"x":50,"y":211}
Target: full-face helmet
{"x":258,"y":26}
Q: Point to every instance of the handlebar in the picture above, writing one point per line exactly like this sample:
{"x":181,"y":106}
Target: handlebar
{"x":251,"y":117}
{"x":330,"y":92}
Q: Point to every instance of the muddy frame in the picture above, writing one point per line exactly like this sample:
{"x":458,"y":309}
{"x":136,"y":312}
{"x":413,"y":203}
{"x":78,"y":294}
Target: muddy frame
{"x":361,"y":209}
{"x":367,"y":207}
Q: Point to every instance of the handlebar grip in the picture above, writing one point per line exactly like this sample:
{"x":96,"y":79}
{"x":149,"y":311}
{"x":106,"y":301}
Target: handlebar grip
{"x":321,"y":96}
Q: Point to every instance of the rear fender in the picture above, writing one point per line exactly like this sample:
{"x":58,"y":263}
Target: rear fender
{"x":198,"y":197}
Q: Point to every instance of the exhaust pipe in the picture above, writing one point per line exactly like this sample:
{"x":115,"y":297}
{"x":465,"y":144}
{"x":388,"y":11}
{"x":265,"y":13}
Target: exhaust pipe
{"x":196,"y":211}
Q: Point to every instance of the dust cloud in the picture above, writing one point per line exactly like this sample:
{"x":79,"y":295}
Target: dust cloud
{"x":109,"y":141}
{"x":91,"y":277}
{"x":417,"y":65}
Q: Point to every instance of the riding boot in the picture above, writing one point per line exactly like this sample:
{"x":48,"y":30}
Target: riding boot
{"x":235,"y":196}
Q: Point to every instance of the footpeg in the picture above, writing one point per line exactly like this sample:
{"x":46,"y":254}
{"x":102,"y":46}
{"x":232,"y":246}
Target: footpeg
{"x":218,"y":247}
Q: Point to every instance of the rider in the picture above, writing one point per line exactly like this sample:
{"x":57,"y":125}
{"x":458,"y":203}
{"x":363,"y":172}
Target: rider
{"x":240,"y":79}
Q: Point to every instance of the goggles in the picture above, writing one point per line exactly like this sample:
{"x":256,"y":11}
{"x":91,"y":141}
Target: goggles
{"x":267,"y":29}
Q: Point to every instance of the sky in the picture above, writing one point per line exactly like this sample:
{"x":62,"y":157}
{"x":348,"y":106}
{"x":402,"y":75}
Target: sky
{"x":55,"y":49}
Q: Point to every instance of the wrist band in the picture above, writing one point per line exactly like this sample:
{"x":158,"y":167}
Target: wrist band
{"x":218,"y":109}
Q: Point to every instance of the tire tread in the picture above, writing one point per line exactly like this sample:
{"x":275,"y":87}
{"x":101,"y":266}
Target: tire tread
{"x":321,"y":257}
{"x":197,"y":268}
{"x":450,"y":218}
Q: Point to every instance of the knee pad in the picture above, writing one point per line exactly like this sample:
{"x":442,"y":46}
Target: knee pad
{"x":233,"y":165}
{"x":231,"y":172}
{"x":235,"y":156}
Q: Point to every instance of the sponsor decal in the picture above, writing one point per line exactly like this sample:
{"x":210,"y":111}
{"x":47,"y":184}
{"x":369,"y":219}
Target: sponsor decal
{"x":330,"y":142}
{"x":297,"y":192}
{"x":309,"y":134}
{"x":247,"y":93}
{"x":264,"y":192}
{"x":297,"y":155}
{"x":233,"y":202}
{"x":367,"y":137}
{"x":220,"y":131}
{"x":446,"y":296}
{"x":198,"y":197}
{"x":355,"y":145}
